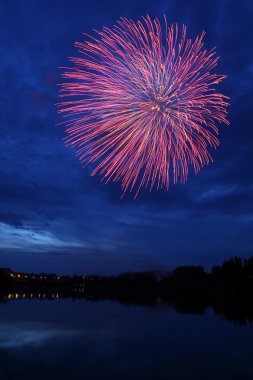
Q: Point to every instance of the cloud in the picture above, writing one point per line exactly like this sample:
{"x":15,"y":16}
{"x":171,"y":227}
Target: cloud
{"x":33,"y":239}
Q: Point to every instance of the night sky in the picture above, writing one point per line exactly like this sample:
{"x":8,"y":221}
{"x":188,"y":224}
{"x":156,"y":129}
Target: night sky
{"x":53,"y":215}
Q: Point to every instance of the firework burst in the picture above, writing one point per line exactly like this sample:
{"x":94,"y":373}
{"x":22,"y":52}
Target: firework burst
{"x":141,"y":104}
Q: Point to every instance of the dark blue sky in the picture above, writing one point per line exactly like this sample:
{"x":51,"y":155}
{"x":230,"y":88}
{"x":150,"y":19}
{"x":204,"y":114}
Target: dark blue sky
{"x":53,"y":215}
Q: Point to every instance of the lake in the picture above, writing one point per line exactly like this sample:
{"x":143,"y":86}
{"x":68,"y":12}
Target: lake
{"x":94,"y":340}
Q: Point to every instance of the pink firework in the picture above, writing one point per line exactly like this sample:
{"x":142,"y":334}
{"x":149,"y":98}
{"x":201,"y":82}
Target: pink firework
{"x":141,"y":103}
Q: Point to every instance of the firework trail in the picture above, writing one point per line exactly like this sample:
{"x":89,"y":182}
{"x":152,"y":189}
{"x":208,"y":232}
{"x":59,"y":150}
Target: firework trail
{"x":141,"y":103}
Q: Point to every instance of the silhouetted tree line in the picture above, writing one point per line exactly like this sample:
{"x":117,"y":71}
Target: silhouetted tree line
{"x":235,"y":272}
{"x":227,"y":288}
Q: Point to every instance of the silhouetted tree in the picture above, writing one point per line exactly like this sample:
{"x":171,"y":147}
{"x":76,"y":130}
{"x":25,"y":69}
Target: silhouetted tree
{"x":190,"y":274}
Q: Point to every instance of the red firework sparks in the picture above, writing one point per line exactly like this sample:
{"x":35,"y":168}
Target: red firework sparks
{"x":143,"y":105}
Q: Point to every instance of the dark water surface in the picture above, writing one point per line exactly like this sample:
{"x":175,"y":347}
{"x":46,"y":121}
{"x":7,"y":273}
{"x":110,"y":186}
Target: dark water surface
{"x":65,"y":339}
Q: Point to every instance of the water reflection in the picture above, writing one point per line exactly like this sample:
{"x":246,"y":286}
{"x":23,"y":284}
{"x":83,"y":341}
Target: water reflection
{"x":22,"y":295}
{"x":46,"y":339}
{"x":235,"y":308}
{"x":24,"y":334}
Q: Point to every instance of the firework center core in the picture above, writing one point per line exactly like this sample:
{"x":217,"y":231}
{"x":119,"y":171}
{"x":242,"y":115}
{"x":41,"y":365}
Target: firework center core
{"x":159,"y":105}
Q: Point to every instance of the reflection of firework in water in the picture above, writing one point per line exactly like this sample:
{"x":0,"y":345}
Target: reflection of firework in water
{"x":144,"y":106}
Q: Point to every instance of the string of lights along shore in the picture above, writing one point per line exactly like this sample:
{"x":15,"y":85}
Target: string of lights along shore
{"x":140,"y":103}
